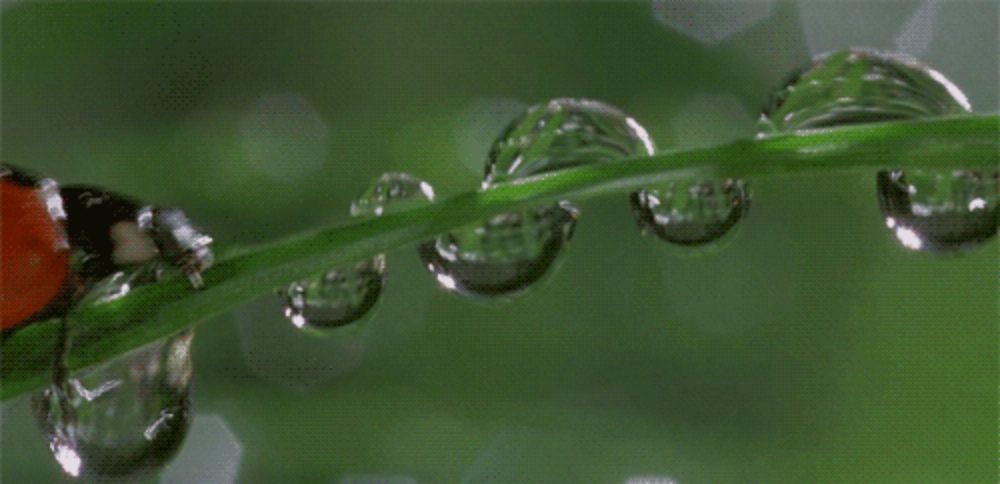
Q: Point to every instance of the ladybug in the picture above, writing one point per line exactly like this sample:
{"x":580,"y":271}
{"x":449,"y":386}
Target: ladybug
{"x":55,"y":242}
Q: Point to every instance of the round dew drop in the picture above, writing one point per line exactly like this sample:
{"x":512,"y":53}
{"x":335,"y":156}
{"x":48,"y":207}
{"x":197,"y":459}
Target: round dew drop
{"x":124,"y":419}
{"x":503,"y":256}
{"x":691,"y":213}
{"x":925,"y":210}
{"x":509,"y":253}
{"x":345,"y":294}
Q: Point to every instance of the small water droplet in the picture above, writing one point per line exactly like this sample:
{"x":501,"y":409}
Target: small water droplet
{"x":337,"y":297}
{"x":394,"y":190}
{"x":937,"y":210}
{"x":697,"y":214}
{"x":691,"y":213}
{"x":507,"y":254}
{"x":345,"y":294}
{"x":123,"y":419}
{"x":925,"y":210}
{"x":511,"y":252}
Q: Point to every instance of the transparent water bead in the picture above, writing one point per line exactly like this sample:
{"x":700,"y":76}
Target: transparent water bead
{"x":695,"y":213}
{"x":337,"y":297}
{"x":564,"y":133}
{"x":345,"y":294}
{"x":939,"y":210}
{"x":509,"y":253}
{"x":925,"y":210}
{"x":692,"y":213}
{"x":502,"y":256}
{"x":123,"y":419}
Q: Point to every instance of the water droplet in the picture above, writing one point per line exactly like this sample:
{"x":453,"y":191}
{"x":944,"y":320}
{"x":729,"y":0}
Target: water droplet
{"x":345,"y":294}
{"x":508,"y":253}
{"x":122,"y":419}
{"x":696,"y":213}
{"x":938,"y":210}
{"x":284,"y":137}
{"x":925,"y":210}
{"x":511,"y":252}
{"x":337,"y":297}
{"x":691,"y":213}
{"x":564,"y":133}
{"x":394,"y":190}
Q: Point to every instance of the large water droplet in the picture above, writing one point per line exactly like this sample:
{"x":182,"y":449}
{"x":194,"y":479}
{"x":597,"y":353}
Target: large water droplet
{"x":124,"y":418}
{"x":345,"y":294}
{"x":511,"y":252}
{"x":926,"y":210}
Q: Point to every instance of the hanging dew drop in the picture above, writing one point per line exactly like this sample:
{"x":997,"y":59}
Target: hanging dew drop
{"x":123,"y":419}
{"x":509,"y":253}
{"x":925,"y":210}
{"x":337,"y":297}
{"x":691,"y":213}
{"x":502,"y":256}
{"x":938,"y":210}
{"x":345,"y":294}
{"x":126,"y":418}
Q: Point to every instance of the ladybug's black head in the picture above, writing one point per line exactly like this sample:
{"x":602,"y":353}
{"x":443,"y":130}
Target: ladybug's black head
{"x":115,"y":231}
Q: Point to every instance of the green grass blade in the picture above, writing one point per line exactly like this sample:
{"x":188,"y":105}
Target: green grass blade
{"x":102,"y":331}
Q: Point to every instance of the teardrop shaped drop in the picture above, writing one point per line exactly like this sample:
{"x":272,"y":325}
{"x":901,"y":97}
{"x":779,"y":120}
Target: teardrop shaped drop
{"x":509,"y":253}
{"x":123,"y":419}
{"x":927,"y":210}
{"x":343,"y":295}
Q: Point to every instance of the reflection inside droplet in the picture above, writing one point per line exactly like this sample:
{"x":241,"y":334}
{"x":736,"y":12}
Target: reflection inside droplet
{"x":505,"y":255}
{"x":337,"y":297}
{"x":691,"y":213}
{"x":940,"y":210}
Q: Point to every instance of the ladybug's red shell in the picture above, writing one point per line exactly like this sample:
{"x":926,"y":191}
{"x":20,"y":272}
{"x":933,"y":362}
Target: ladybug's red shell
{"x":33,"y":263}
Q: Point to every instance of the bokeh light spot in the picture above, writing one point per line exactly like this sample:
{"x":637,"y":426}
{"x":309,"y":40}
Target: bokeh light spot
{"x":284,"y":137}
{"x":711,"y":22}
{"x":916,"y":35}
{"x":211,"y":453}
{"x":478,"y":125}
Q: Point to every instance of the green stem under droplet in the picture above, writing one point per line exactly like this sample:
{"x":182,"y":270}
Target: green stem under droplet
{"x":148,"y":313}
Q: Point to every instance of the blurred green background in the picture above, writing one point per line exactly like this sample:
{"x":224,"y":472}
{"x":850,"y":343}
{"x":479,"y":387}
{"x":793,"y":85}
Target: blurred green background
{"x":808,"y":348}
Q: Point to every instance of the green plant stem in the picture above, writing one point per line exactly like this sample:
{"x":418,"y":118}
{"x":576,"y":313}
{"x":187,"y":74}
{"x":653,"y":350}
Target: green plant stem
{"x":104,"y":330}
